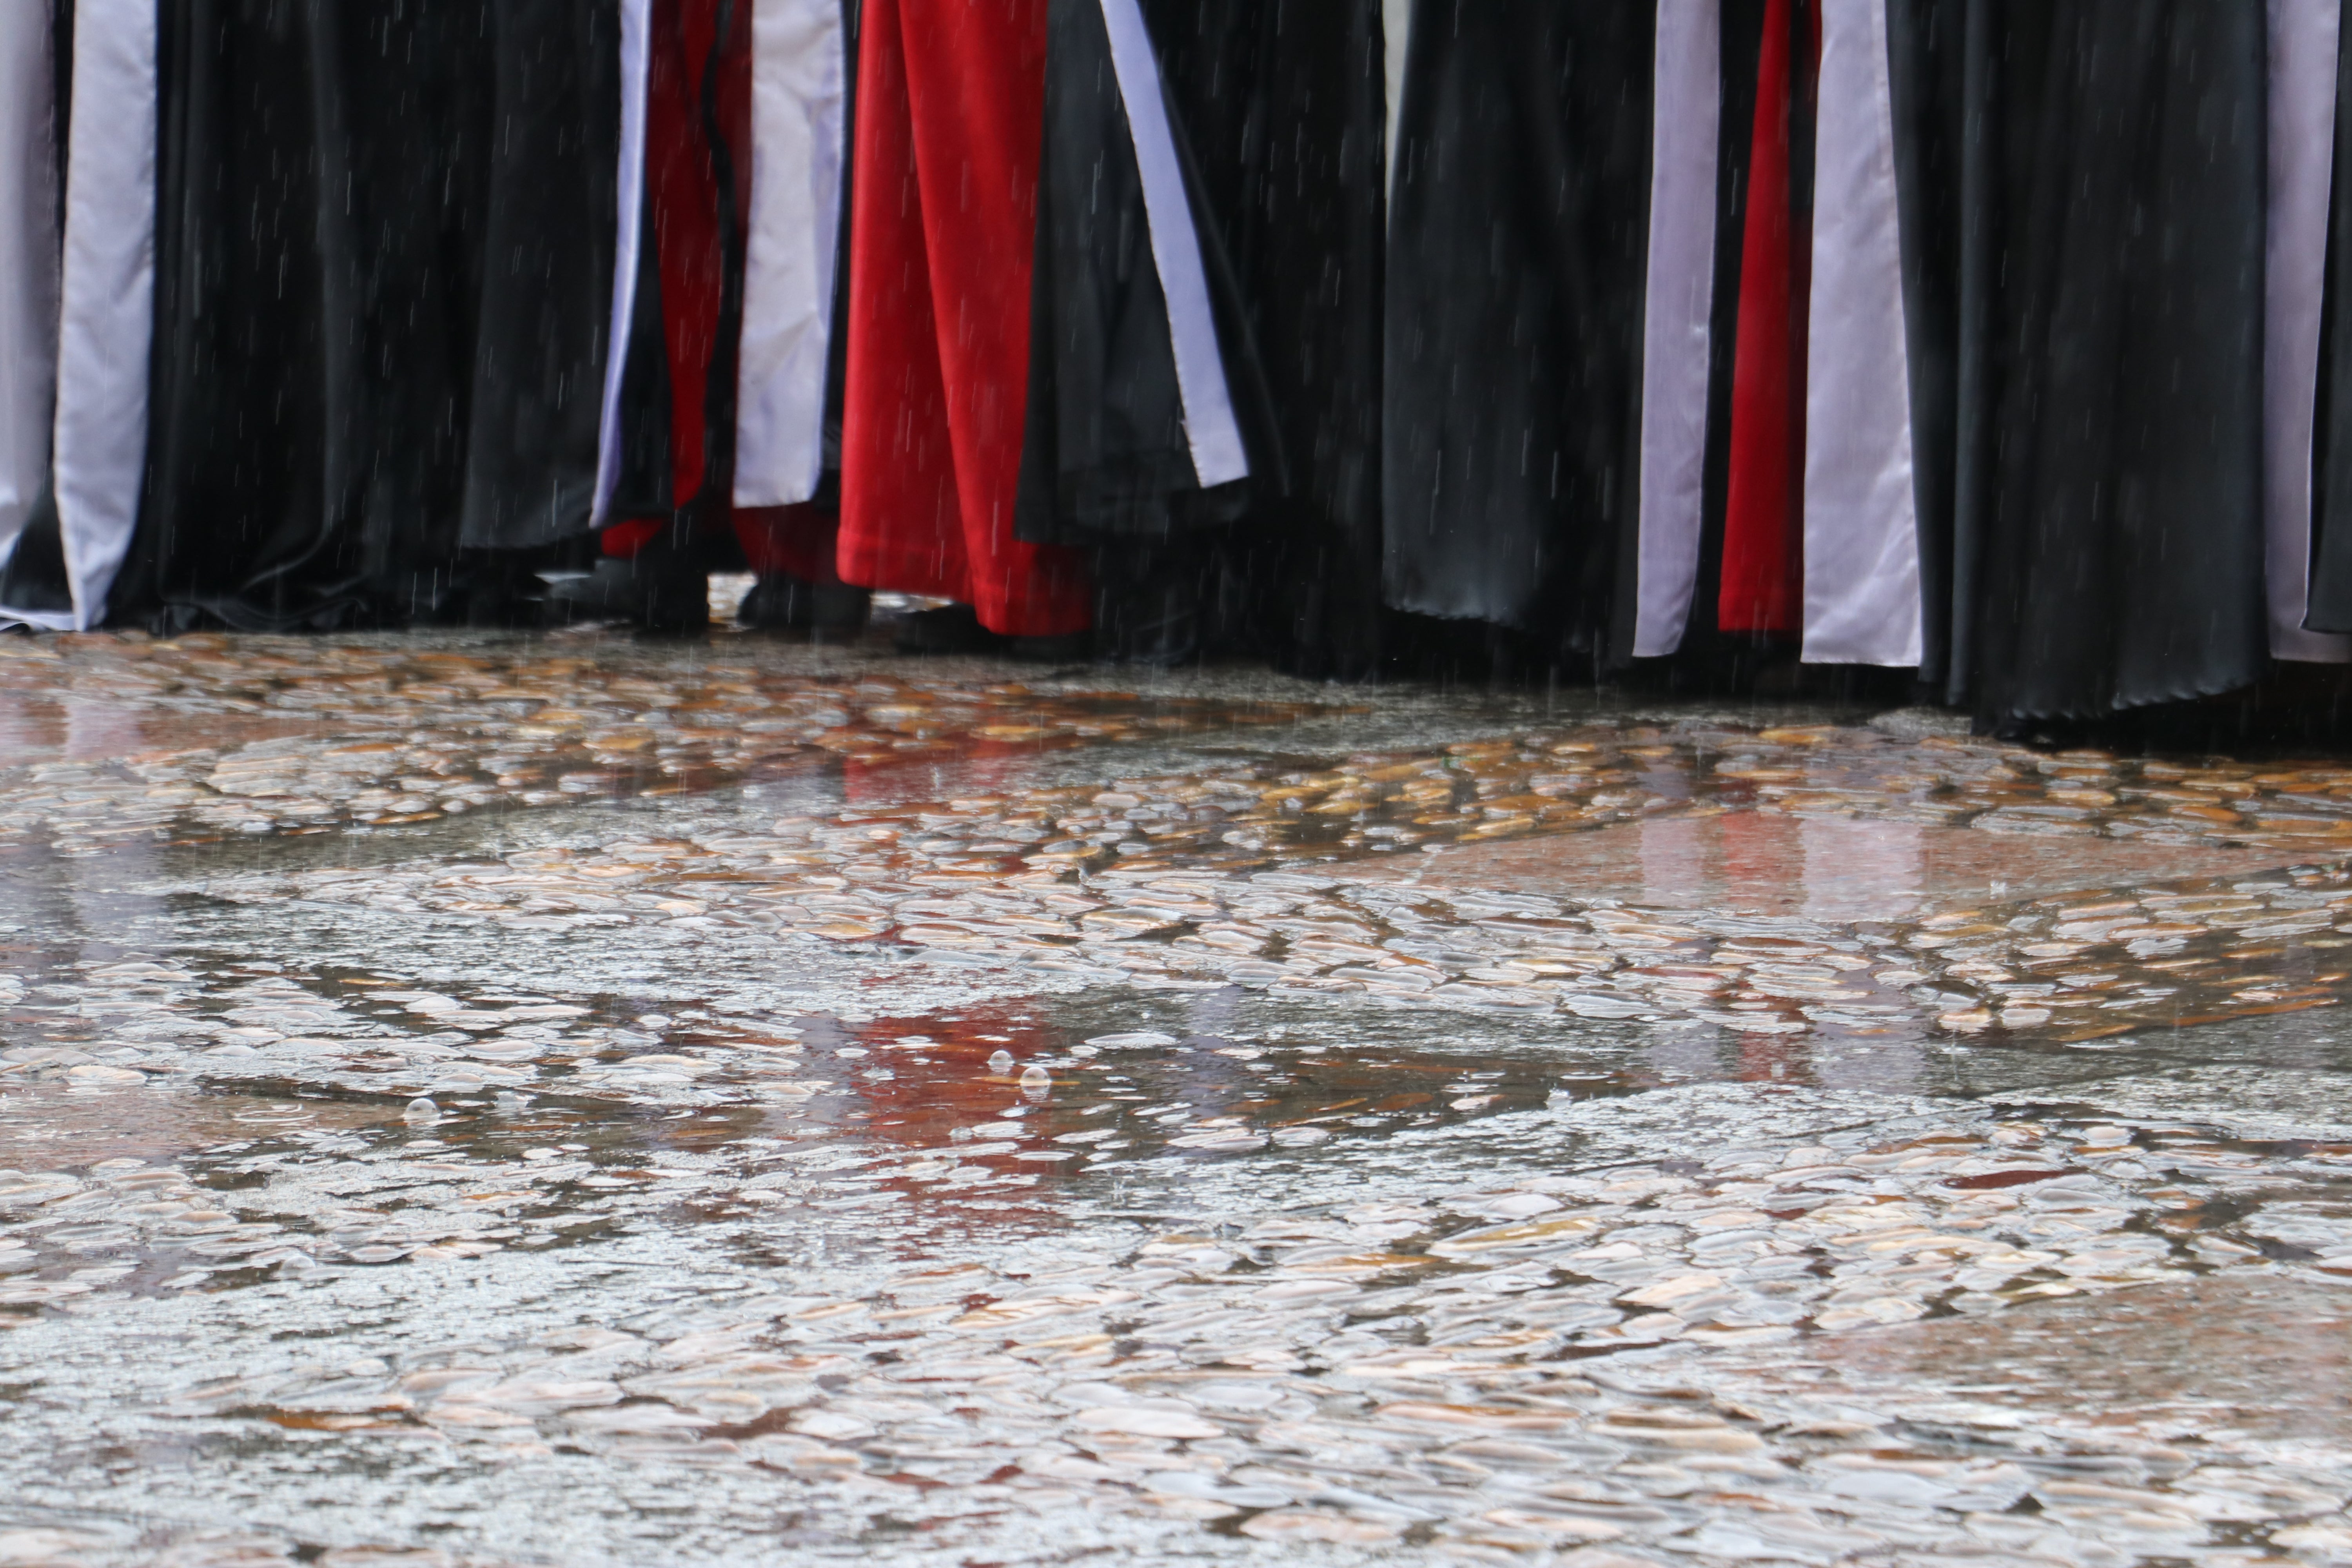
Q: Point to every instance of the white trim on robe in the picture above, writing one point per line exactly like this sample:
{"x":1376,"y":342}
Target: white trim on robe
{"x":1686,"y":111}
{"x":1862,"y":520}
{"x":2302,"y":35}
{"x":629,"y":215}
{"x":28,"y":263}
{"x":798,"y":99}
{"x":1210,"y":428}
{"x":106,"y":316}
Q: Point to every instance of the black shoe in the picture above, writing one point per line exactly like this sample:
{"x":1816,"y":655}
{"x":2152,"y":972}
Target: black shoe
{"x":783,"y":603}
{"x":1070,"y":648}
{"x":655,"y":593}
{"x":951,"y":628}
{"x":1148,"y":607}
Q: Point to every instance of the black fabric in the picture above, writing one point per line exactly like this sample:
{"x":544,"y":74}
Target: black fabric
{"x":34,"y":576}
{"x":1926,"y":43}
{"x":645,"y":484}
{"x":380,"y":304}
{"x":253,"y":507}
{"x":61,"y":47}
{"x":2121,"y":557}
{"x":1104,"y":450}
{"x":1516,"y":245}
{"x":837,"y":357}
{"x":1282,"y":104}
{"x":1976,"y":358}
{"x":2331,"y":470}
{"x":545,"y":308}
{"x":728,"y":179}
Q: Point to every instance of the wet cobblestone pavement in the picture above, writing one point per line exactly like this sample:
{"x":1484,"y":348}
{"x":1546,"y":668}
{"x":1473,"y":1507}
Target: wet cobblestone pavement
{"x":487,"y":1100}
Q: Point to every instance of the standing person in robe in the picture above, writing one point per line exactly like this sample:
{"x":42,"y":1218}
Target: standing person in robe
{"x":1712,"y":566}
{"x":1213,"y":188}
{"x":722,"y":405}
{"x":951,"y":103}
{"x":62,"y":563}
{"x":1205,"y":304}
{"x":383,"y":250}
{"x":1282,"y":103}
{"x":2102,"y":166}
{"x":1141,"y":439}
{"x":1514,"y":311}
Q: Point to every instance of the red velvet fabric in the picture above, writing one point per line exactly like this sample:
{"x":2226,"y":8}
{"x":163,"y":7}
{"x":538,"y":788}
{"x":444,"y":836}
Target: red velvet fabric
{"x":682,"y":183}
{"x":950,"y":108}
{"x":1763,"y":524}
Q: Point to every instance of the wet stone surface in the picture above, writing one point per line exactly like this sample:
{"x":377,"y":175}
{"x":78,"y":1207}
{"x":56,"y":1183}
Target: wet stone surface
{"x":485,"y":1101}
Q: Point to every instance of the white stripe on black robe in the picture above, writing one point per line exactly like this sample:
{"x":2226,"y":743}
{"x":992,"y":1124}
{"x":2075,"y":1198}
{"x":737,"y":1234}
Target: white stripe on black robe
{"x":1862,"y":540}
{"x":107,"y":312}
{"x":2302,"y":64}
{"x":1677,"y":319}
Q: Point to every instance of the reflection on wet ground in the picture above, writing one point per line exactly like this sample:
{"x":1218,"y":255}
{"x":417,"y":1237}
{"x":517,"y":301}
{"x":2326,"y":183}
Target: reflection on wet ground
{"x":575,"y":1101}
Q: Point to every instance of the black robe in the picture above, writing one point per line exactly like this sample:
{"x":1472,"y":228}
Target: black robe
{"x":1275,"y":111}
{"x":1283,"y":103}
{"x":2085,"y":232}
{"x":1105,"y":454}
{"x":383,"y":254}
{"x":1516,"y":245}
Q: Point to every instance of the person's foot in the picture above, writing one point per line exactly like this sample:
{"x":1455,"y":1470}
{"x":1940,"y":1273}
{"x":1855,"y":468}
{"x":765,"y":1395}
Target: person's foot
{"x":657,"y":591}
{"x":481,"y":595}
{"x":779,"y":602}
{"x":1148,"y":607}
{"x":955,"y":628}
{"x":1070,"y":648}
{"x":948,"y":629}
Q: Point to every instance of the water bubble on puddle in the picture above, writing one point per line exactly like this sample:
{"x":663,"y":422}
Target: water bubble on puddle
{"x":1000,"y":1062}
{"x":1036,"y":1080}
{"x":422,"y":1109}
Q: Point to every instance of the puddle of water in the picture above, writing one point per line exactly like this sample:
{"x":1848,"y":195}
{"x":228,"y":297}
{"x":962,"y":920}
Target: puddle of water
{"x":1827,"y":869}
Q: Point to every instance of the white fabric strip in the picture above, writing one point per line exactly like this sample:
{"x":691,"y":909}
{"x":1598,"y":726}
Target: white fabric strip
{"x":28,"y":263}
{"x":1686,"y":107}
{"x":2303,"y":35}
{"x":1210,"y":428}
{"x":1396,"y":29}
{"x":108,"y":315}
{"x":1861,"y":532}
{"x":630,"y":217}
{"x":794,"y":229}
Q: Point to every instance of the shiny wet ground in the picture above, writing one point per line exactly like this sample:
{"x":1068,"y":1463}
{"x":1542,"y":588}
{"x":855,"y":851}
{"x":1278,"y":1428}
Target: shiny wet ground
{"x":572,"y":1101}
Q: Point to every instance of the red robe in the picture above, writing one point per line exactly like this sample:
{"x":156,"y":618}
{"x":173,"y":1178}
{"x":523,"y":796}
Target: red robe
{"x":951,"y":110}
{"x":1763,"y":522}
